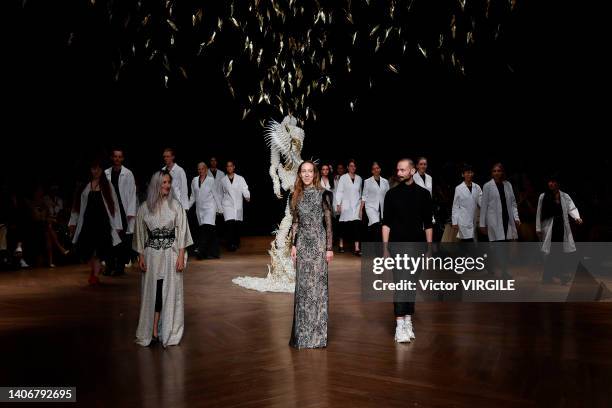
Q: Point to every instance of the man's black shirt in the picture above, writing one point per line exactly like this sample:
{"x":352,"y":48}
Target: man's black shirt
{"x":408,"y":212}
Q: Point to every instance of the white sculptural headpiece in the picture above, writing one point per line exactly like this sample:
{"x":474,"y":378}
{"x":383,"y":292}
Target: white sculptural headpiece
{"x":285,"y":140}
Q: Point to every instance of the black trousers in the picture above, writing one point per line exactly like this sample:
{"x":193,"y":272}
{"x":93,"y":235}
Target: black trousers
{"x":559,"y":264}
{"x":404,"y":301}
{"x":120,"y":255}
{"x":403,"y":304}
{"x":233,"y":228}
{"x":158,"y":295}
{"x":375,"y":232}
{"x":351,"y":230}
{"x":208,"y":243}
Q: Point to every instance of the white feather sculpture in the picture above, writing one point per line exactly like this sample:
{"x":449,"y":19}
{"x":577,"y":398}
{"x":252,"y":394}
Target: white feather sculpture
{"x":285,"y":141}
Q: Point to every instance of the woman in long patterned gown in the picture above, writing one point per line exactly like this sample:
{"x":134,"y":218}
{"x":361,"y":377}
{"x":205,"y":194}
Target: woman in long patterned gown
{"x":161,"y":236}
{"x":312,"y":250}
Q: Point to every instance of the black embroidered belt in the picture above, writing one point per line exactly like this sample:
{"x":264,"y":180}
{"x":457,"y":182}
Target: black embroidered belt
{"x":160,"y":238}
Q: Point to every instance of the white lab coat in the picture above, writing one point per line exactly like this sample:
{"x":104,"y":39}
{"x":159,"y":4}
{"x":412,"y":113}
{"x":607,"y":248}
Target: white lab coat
{"x":219,"y":176}
{"x":569,"y":208}
{"x":127,"y":192}
{"x":348,"y":196}
{"x":206,"y":199}
{"x":77,"y":218}
{"x":465,"y":206}
{"x":233,"y":193}
{"x":179,"y":185}
{"x":374,"y":198}
{"x":217,"y":179}
{"x":491,"y":211}
{"x":428,"y":184}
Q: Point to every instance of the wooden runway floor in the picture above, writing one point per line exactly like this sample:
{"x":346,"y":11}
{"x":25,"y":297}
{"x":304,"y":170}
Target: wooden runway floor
{"x":55,"y":330}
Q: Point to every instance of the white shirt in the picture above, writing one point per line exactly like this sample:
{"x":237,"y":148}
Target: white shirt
{"x":127,"y":193}
{"x":179,"y":184}
{"x":348,"y":196}
{"x":374,"y":198}
{"x":465,"y":205}
{"x":206,"y":199}
{"x":568,"y":209}
{"x":491,"y":211}
{"x":233,"y":194}
{"x":427,"y":183}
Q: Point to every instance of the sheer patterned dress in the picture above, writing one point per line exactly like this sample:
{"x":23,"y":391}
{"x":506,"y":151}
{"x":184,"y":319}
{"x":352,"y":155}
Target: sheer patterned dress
{"x":312,"y":235}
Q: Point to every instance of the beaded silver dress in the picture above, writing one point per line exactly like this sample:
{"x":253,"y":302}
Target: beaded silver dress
{"x":312,"y":235}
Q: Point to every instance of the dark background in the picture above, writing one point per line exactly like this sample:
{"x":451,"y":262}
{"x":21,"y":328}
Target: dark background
{"x":64,"y":107}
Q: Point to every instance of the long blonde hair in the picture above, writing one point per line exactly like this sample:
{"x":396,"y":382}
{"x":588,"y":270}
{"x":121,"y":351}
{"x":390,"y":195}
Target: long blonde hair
{"x":154,"y":195}
{"x":298,"y":188}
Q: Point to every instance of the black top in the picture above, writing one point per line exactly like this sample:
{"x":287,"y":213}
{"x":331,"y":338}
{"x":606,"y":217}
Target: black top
{"x":408,"y":212}
{"x":469,"y":187}
{"x":558,"y":226}
{"x":115,"y":182}
{"x":424,"y":177}
{"x":505,"y":215}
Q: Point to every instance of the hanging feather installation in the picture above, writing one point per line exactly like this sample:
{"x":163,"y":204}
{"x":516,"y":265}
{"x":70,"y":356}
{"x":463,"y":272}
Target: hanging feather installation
{"x":283,"y":57}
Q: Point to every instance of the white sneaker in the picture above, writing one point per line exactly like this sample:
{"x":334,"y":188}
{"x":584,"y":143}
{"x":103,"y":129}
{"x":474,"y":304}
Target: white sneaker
{"x":400,"y":332}
{"x":409,"y":330}
{"x":23,"y":263}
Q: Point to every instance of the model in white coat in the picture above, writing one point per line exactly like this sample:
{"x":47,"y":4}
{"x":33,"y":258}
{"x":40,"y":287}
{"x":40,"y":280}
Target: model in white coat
{"x":373,"y":200}
{"x":124,"y":184}
{"x":421,"y":177}
{"x":179,"y":178}
{"x":95,"y":221}
{"x":348,"y":198}
{"x":497,"y":224}
{"x":216,"y":174}
{"x":204,"y":194}
{"x":466,"y":202}
{"x":327,"y":181}
{"x":555,"y":208}
{"x":235,"y":190}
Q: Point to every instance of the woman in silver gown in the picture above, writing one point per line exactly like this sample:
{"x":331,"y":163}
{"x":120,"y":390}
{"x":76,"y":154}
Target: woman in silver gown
{"x":312,"y":239}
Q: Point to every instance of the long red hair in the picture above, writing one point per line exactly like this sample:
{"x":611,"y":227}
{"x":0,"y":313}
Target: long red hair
{"x":298,"y":188}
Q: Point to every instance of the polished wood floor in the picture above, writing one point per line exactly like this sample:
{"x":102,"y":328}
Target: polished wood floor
{"x":55,"y":330}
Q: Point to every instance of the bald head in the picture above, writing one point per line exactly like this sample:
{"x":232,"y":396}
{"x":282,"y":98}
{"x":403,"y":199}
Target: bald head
{"x":405,"y":170}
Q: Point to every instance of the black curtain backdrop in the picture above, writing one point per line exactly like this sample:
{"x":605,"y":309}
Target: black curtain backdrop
{"x":63,"y":107}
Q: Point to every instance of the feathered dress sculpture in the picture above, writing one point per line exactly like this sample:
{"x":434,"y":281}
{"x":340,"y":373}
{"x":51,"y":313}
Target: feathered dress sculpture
{"x":285,"y":140}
